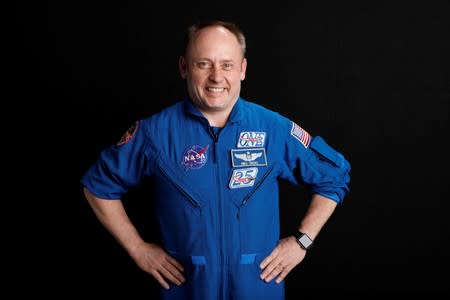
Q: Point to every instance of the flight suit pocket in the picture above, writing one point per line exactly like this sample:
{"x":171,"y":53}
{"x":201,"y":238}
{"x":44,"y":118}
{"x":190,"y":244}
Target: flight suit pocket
{"x":247,"y":283}
{"x":179,"y":213}
{"x":258,"y":215}
{"x":195,"y":275}
{"x":325,"y":152}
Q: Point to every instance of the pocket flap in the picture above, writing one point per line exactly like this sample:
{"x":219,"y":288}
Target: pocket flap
{"x":321,"y":147}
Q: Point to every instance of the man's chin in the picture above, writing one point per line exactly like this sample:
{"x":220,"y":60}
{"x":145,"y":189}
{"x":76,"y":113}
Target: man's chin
{"x":214,"y":105}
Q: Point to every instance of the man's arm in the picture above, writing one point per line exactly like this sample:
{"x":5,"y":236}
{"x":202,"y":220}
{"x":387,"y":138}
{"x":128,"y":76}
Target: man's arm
{"x":288,"y":252}
{"x":149,"y":257}
{"x":318,"y":213}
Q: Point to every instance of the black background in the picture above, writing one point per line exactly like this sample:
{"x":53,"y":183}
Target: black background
{"x":372,"y":78}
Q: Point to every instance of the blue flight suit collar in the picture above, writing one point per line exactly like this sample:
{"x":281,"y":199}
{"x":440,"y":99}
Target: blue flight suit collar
{"x":236,"y":114}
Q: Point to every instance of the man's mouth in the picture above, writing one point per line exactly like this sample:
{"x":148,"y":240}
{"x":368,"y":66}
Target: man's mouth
{"x":215,"y":89}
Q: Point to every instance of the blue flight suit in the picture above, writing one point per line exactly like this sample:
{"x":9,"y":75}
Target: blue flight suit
{"x":216,"y":194}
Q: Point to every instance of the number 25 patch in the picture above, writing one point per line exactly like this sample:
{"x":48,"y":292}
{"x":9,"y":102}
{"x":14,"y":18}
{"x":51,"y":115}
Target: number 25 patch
{"x":243,"y":178}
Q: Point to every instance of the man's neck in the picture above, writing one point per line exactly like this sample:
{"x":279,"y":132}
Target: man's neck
{"x":217,"y":118}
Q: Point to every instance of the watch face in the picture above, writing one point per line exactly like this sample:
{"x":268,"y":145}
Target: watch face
{"x":305,"y":241}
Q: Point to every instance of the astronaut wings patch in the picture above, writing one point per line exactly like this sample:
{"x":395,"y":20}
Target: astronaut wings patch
{"x":301,"y":135}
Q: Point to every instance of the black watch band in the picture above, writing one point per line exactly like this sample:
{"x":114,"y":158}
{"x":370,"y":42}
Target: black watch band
{"x":303,"y":240}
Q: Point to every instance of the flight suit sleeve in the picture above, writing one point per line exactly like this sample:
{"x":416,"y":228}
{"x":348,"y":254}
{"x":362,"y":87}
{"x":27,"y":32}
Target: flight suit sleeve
{"x":311,"y":161}
{"x":120,"y":166}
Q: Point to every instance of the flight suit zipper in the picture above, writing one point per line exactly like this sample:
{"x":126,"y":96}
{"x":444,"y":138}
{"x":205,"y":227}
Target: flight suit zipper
{"x":221,"y":234}
{"x":190,"y":199}
{"x":249,"y":195}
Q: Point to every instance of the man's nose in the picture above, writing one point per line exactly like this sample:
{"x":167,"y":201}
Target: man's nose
{"x":216,"y":74}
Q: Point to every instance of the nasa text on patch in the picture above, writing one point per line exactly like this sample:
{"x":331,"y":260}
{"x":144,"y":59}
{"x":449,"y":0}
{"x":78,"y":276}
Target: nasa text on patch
{"x":251,"y":139}
{"x":248,"y":157}
{"x":195,"y":157}
{"x":244,"y":177}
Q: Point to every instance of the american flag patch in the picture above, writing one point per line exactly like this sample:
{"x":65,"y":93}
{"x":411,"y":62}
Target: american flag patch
{"x":300,"y":134}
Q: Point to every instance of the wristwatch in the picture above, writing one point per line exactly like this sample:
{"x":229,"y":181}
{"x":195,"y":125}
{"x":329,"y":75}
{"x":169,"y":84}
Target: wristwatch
{"x":303,"y":240}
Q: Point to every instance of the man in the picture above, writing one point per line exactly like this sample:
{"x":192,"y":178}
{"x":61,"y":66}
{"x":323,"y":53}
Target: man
{"x":216,"y":159}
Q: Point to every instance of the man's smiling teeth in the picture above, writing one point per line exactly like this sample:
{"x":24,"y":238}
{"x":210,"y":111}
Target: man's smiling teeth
{"x":215,"y":90}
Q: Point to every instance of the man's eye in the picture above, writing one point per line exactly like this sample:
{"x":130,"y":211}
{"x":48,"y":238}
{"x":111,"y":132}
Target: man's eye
{"x":203,"y":65}
{"x":228,"y":66}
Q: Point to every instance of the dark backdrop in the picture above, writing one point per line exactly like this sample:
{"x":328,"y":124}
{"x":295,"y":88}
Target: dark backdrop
{"x":372,"y":78}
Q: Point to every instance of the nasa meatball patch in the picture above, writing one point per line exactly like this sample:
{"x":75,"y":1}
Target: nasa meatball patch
{"x":195,"y":157}
{"x":129,"y":134}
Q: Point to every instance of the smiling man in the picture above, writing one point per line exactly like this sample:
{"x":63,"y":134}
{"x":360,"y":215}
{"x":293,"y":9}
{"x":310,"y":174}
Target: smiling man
{"x":216,"y":160}
{"x":214,"y":66}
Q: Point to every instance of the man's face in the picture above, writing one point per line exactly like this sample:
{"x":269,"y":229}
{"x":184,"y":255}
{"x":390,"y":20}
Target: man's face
{"x":213,"y":68}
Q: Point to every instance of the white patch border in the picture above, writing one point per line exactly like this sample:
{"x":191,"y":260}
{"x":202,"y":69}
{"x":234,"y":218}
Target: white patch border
{"x":249,"y":165}
{"x":242,"y":132}
{"x":252,"y":183}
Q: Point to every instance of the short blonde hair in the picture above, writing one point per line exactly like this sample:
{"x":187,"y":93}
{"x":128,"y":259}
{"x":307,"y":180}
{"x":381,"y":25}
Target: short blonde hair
{"x":232,"y":27}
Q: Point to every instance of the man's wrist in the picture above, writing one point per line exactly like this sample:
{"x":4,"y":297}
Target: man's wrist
{"x":303,"y":240}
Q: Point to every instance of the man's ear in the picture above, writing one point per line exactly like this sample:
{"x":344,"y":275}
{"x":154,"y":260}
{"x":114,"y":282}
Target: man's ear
{"x":243,"y":68}
{"x":182,"y":65}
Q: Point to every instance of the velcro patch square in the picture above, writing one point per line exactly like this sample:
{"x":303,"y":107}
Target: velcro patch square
{"x":251,"y":139}
{"x":248,"y":157}
{"x":244,"y":177}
